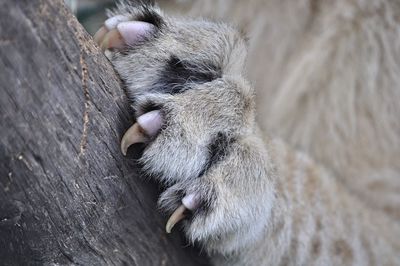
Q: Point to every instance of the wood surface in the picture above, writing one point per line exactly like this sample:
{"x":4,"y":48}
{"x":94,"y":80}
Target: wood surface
{"x":67,"y":195}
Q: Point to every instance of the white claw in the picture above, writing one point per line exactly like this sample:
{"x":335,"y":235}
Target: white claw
{"x":177,"y":216}
{"x":189,"y":202}
{"x":147,"y":126}
{"x":134,"y":135}
{"x":112,"y":39}
{"x":99,"y":36}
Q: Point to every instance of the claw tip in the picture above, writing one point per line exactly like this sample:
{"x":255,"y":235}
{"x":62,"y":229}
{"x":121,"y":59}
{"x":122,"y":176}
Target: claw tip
{"x":177,"y":216}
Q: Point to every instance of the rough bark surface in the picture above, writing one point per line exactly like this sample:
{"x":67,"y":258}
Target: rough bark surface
{"x":67,"y":195}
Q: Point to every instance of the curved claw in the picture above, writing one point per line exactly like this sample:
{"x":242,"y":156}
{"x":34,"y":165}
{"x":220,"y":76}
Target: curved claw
{"x":112,"y":39}
{"x":147,"y":126}
{"x":134,"y":135}
{"x":99,"y":35}
{"x":108,"y":26}
{"x":189,"y":202}
{"x":177,"y":216}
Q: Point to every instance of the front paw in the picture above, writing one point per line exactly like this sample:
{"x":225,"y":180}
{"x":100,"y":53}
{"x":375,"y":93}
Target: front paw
{"x":196,"y":114}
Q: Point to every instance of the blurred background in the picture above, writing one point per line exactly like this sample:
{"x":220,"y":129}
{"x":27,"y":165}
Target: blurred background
{"x":91,"y":13}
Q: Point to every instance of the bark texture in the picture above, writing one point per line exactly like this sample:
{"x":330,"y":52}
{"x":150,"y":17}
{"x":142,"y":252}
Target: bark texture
{"x":67,"y":195}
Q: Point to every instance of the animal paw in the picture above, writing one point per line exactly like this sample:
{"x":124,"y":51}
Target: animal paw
{"x":196,"y":114}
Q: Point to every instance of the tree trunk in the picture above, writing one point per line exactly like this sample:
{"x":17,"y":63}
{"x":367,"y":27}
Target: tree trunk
{"x":67,"y":195}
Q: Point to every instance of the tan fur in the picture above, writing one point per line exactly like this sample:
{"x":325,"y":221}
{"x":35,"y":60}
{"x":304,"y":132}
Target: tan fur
{"x":328,"y":71}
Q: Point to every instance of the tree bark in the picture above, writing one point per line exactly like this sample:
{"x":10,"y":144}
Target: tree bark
{"x":67,"y":195}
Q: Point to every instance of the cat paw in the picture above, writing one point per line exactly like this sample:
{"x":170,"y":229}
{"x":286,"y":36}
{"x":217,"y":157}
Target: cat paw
{"x":196,"y":115}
